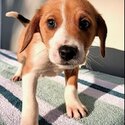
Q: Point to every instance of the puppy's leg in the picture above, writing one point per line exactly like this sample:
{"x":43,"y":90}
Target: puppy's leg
{"x":74,"y":107}
{"x":18,"y":74}
{"x":30,"y":105}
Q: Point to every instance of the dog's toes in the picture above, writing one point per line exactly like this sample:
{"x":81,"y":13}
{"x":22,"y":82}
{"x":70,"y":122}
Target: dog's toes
{"x":74,"y":107}
{"x":77,"y":112}
{"x":16,"y":78}
{"x":69,"y":112}
{"x":83,"y":111}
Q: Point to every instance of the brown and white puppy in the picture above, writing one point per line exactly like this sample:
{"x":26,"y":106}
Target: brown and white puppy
{"x":56,"y":39}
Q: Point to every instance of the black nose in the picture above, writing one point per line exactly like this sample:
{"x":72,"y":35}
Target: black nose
{"x":67,"y":52}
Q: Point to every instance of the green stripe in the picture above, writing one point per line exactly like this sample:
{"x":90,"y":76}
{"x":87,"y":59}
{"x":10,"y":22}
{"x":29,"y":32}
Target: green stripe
{"x":17,"y":103}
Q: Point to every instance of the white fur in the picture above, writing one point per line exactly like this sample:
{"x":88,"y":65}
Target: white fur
{"x":73,"y":103}
{"x":12,"y":14}
{"x":18,"y":73}
{"x":30,"y":106}
{"x":60,"y":38}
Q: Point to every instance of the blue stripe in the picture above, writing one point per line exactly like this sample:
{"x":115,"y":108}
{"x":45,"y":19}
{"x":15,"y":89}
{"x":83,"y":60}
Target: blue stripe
{"x":8,"y":56}
{"x":16,"y":102}
{"x":100,"y":88}
{"x":103,"y":89}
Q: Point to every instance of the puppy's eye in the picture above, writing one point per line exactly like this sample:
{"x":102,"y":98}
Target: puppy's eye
{"x":84,"y":24}
{"x":51,"y":23}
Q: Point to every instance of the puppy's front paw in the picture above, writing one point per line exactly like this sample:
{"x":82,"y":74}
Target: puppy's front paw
{"x":76,"y":110}
{"x":18,"y":74}
{"x":74,"y":107}
{"x":16,"y":78}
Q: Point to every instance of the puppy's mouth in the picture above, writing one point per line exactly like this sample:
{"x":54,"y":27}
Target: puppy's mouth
{"x":67,"y":57}
{"x":67,"y":66}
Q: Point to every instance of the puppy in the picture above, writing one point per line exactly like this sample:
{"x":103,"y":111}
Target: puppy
{"x":56,"y":39}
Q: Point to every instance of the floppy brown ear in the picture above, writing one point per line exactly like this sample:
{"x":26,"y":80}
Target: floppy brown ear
{"x":102,"y":33}
{"x":32,"y":28}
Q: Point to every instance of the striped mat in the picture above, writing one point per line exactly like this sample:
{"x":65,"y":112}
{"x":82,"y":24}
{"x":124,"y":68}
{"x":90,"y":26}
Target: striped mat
{"x":102,"y":94}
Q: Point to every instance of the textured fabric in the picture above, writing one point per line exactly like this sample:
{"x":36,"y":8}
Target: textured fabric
{"x":102,"y":94}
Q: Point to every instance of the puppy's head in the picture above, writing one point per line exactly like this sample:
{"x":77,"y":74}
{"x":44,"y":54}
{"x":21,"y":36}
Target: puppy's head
{"x":67,"y":28}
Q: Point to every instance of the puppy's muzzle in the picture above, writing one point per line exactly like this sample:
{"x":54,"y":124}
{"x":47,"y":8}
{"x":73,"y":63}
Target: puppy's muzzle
{"x":68,"y":52}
